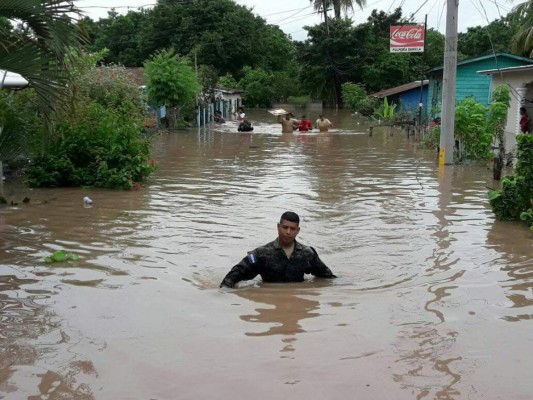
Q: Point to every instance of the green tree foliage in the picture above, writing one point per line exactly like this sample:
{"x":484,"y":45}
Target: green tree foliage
{"x":497,"y":37}
{"x":514,"y":200}
{"x":112,"y":86}
{"x":283,"y":86}
{"x":353,"y":95}
{"x":102,"y":149}
{"x":522,"y":41}
{"x":434,"y":49}
{"x":120,"y":34}
{"x":222,"y":34}
{"x":338,"y":5}
{"x":98,"y":131}
{"x":208,"y":78}
{"x":170,"y":80}
{"x":258,"y":85}
{"x":19,"y":123}
{"x":471,"y":130}
{"x":328,"y":61}
{"x":228,"y":81}
{"x":360,"y":54}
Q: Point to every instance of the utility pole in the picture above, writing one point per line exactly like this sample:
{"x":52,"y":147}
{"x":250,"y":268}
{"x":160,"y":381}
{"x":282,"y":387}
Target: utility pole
{"x":324,"y":6}
{"x":449,"y":78}
{"x":422,"y":76}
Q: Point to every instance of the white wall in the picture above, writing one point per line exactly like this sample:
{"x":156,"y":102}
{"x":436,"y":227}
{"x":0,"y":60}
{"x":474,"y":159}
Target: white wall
{"x":521,"y":84}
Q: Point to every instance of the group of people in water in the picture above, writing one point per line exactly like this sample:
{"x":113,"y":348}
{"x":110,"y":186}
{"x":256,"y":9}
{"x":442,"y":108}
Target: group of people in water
{"x":288,"y":123}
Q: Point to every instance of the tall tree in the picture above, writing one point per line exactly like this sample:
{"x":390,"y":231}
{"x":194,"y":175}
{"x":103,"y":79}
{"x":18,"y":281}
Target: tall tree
{"x":338,"y":5}
{"x":523,"y":39}
{"x":171,"y":82}
{"x":494,"y":37}
{"x":219,"y":33}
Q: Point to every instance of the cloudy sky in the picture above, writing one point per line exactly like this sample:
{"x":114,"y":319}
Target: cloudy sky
{"x":292,"y":15}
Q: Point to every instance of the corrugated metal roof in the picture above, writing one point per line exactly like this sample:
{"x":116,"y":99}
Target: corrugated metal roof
{"x":487,"y":56}
{"x":228,"y":90}
{"x":398,"y":89}
{"x":506,"y":70}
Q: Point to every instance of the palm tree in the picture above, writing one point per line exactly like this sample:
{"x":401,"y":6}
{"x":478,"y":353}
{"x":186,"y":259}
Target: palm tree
{"x":37,"y":48}
{"x":523,"y":40}
{"x":338,"y":5}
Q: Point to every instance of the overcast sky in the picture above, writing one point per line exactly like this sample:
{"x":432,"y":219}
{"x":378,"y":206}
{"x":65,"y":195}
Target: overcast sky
{"x":292,"y":15}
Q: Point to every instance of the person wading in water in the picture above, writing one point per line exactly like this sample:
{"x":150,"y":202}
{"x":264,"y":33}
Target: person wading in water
{"x":282,"y":260}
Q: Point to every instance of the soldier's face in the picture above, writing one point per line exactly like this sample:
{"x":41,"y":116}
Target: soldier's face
{"x":287,"y":231}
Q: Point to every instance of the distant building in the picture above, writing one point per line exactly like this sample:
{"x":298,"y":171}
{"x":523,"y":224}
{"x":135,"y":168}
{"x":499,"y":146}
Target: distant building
{"x":232,"y":98}
{"x":407,"y":97}
{"x":469,"y":82}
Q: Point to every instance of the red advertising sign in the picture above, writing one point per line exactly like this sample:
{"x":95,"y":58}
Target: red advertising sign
{"x":407,"y":39}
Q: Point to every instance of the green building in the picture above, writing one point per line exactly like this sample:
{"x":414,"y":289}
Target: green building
{"x":469,"y":82}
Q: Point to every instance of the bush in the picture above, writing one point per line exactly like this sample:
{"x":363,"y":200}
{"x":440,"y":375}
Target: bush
{"x":19,"y":123}
{"x":509,"y":201}
{"x":113,"y":86}
{"x":515,"y":199}
{"x":353,"y":94}
{"x":104,"y":150}
{"x":471,"y":129}
{"x":432,"y":139}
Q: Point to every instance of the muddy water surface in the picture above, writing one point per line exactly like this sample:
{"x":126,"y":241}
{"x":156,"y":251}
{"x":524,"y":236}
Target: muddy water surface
{"x":433,"y":301}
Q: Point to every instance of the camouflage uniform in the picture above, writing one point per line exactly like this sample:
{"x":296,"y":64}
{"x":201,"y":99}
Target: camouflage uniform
{"x":271,"y":262}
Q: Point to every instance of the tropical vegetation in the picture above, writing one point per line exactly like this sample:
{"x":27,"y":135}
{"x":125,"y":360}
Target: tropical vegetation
{"x":514,"y":201}
{"x":186,"y":48}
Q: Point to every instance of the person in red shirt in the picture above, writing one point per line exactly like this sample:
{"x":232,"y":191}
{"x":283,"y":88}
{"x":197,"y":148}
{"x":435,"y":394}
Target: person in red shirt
{"x":305,"y":124}
{"x":524,"y":120}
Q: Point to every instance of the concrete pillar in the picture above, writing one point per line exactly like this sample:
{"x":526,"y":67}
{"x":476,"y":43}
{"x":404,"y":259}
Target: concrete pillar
{"x":521,"y":102}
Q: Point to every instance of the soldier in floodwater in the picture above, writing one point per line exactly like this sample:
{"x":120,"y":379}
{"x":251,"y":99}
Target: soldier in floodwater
{"x":283,"y":260}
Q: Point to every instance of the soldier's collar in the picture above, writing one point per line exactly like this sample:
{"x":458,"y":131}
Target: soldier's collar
{"x":297,"y":244}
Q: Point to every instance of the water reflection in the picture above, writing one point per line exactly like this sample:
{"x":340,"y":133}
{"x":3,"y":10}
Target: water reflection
{"x":289,"y":305}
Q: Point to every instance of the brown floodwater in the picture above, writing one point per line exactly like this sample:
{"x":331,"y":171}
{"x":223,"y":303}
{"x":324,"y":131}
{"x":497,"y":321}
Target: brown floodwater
{"x":434,"y":298}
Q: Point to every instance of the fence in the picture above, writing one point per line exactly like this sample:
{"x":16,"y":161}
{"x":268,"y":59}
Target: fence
{"x":205,"y":112}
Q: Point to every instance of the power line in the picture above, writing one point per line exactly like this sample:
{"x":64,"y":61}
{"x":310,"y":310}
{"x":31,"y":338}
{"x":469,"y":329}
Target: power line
{"x":413,"y":14}
{"x":290,"y":16}
{"x":441,"y":14}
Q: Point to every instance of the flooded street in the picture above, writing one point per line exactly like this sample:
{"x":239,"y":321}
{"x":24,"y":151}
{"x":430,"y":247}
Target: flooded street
{"x":433,"y":300}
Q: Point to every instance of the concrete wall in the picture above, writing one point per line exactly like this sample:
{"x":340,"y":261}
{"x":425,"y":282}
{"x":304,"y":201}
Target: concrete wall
{"x":521,"y":84}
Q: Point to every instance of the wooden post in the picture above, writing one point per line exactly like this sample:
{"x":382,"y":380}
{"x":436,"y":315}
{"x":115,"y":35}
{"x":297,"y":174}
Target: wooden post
{"x":370,"y":129}
{"x":390,"y":130}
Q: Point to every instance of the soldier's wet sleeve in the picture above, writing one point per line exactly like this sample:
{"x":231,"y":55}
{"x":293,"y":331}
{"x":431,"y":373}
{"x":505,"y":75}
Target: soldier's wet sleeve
{"x":318,"y":268}
{"x":245,"y":270}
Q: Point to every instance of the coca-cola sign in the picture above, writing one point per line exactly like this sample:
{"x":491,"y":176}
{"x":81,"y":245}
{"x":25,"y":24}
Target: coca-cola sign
{"x":407,"y":39}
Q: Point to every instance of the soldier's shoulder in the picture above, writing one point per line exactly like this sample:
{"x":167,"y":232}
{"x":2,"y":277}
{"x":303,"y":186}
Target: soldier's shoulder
{"x":304,"y":248}
{"x":266,"y":248}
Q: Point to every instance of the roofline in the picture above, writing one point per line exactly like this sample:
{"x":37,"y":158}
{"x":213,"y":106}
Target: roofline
{"x":506,"y":70}
{"x":493,"y":55}
{"x":400,"y":89}
{"x":228,"y":90}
